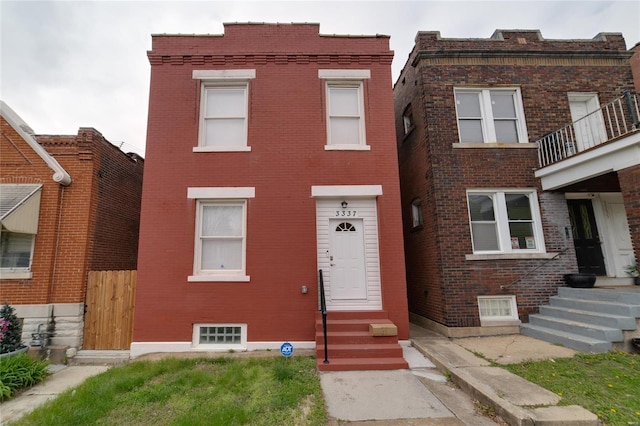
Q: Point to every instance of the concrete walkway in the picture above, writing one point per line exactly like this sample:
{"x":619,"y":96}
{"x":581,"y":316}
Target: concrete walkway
{"x":516,"y":400}
{"x":418,"y":396}
{"x":63,"y":378}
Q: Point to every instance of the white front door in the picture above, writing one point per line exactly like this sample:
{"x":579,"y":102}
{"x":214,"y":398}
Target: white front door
{"x":588,"y":125}
{"x":348,"y":255}
{"x":347,"y":262}
{"x":618,"y":237}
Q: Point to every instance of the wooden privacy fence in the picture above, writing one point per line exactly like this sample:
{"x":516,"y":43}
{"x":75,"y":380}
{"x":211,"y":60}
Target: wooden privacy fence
{"x":108,"y":320}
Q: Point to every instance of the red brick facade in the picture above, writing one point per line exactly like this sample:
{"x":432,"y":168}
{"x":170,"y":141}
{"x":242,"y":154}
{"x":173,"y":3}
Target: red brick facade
{"x":443,"y":283}
{"x":287,"y":137}
{"x":90,"y":224}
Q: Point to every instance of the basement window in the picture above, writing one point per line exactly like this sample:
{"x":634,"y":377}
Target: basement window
{"x":220,"y":336}
{"x":498,"y":310}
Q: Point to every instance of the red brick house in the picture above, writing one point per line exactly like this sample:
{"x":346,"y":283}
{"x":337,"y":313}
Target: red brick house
{"x":518,"y":164}
{"x":270,"y":156}
{"x":68,"y":205}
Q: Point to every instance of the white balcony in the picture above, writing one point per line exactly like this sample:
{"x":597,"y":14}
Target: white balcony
{"x":605,"y":140}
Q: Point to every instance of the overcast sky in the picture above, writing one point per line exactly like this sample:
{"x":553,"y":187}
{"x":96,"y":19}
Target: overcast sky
{"x":71,"y":64}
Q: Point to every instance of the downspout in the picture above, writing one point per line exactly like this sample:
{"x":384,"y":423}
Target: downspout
{"x":55,"y":253}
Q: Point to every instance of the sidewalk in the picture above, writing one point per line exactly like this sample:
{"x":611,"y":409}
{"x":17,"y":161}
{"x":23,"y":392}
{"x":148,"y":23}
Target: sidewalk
{"x":516,"y":400}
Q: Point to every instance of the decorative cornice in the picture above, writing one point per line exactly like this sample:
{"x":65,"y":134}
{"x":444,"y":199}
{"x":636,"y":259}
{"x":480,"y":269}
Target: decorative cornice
{"x":563,"y":58}
{"x":279,"y":59}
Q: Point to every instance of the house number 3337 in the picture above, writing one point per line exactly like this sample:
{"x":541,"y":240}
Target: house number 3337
{"x":346,"y":213}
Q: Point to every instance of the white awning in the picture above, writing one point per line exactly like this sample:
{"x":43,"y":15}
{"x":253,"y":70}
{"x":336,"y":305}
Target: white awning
{"x":20,"y":207}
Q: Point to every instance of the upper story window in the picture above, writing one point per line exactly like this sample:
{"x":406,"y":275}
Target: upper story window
{"x":220,"y":237}
{"x":19,"y":214}
{"x":345,"y":109}
{"x":506,"y":221}
{"x":224,"y":111}
{"x":490,"y":115}
{"x":407,"y":120}
{"x":416,"y":213}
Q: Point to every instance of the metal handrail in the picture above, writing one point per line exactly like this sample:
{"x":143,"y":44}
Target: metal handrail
{"x":323,"y":310}
{"x":609,"y":122}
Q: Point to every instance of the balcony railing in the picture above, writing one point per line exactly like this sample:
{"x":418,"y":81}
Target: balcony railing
{"x":613,"y":120}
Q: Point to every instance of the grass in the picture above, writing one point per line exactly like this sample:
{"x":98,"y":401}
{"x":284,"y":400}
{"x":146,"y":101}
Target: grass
{"x":212,"y":391}
{"x":18,"y":372}
{"x":605,"y":384}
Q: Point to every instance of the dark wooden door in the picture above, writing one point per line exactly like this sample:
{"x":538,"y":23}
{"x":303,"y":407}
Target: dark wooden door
{"x":585,"y":237}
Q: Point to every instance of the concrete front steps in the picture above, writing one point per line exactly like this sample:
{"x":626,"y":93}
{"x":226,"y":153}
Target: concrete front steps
{"x":100,"y":357}
{"x":587,"y":320}
{"x":352,"y":345}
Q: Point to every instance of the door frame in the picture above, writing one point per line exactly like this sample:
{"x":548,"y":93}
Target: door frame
{"x":600,"y":203}
{"x":593,"y":125}
{"x":357,"y":202}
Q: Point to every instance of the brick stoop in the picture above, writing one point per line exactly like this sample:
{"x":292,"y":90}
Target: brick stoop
{"x":353,"y":345}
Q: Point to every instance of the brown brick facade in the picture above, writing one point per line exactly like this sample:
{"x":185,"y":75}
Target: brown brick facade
{"x":443,"y":284}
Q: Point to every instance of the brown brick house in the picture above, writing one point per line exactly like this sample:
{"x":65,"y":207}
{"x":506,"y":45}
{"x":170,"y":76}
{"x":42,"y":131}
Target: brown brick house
{"x":511,"y":150}
{"x":69,"y":204}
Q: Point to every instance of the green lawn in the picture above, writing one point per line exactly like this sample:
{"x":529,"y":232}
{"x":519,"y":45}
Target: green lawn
{"x":202,"y":391}
{"x":605,"y":384}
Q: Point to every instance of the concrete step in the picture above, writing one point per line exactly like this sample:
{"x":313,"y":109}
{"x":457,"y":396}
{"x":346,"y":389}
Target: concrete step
{"x":604,"y":307}
{"x":352,"y":346}
{"x":351,"y":324}
{"x":569,"y":340}
{"x":351,"y":337}
{"x":617,"y":295}
{"x":354,"y":315}
{"x":100,"y":357}
{"x":589,"y":317}
{"x":361,"y":350}
{"x":349,"y":364}
{"x":593,"y":331}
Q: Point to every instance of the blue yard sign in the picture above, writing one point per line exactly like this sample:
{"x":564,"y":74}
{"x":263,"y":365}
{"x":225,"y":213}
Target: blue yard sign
{"x":286,"y":349}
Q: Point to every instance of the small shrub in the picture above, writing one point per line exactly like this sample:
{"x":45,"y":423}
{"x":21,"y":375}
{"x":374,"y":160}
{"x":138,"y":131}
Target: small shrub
{"x":18,"y":372}
{"x":10,"y":330}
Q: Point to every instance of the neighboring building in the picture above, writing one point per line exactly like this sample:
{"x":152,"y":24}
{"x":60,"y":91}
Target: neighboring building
{"x":635,"y":66}
{"x":506,"y":186}
{"x":270,"y":156}
{"x":68,"y":205}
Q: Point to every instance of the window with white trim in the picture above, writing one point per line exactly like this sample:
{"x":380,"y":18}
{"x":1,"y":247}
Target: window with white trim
{"x":497,"y":308}
{"x":345,"y":109}
{"x":220,"y":235}
{"x":505,"y":221}
{"x":416,"y":213}
{"x":16,"y":250}
{"x":19,"y":215}
{"x":224,"y":111}
{"x":490,"y":115}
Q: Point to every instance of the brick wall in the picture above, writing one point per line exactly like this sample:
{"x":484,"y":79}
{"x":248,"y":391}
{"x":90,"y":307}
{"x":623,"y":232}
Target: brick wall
{"x":635,"y":66}
{"x":630,"y":187}
{"x":443,"y":285}
{"x":287,"y":135}
{"x":20,"y":164}
{"x":89,"y":224}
